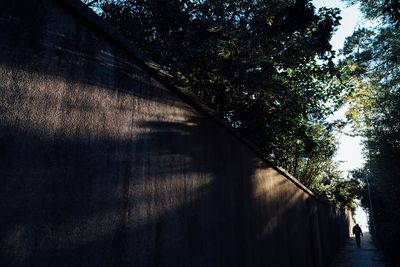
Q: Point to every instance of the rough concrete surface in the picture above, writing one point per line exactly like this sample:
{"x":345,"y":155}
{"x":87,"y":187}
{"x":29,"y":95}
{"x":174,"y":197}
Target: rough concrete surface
{"x":102,"y":165}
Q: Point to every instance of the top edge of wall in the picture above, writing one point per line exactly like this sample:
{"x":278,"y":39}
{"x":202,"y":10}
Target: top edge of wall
{"x":166,"y":80}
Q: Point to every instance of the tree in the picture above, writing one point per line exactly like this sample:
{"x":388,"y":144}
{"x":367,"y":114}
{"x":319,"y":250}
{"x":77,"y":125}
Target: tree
{"x":264,"y":66}
{"x":372,"y":58}
{"x":386,"y":10}
{"x":342,"y":192}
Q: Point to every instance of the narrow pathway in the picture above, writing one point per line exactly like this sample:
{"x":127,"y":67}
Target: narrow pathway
{"x":365,"y":256}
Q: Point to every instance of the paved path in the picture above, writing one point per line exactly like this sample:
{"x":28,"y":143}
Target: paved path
{"x":365,"y":256}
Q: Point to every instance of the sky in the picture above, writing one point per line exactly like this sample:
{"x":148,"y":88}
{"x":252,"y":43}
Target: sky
{"x":351,"y":17}
{"x":349,"y":154}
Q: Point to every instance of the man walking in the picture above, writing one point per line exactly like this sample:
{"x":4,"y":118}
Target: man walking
{"x":358,"y":233}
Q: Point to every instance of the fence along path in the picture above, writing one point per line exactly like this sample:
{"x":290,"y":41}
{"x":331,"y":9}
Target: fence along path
{"x":107,"y":164}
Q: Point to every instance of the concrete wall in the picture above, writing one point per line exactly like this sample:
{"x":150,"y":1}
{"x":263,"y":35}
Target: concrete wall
{"x":102,"y":165}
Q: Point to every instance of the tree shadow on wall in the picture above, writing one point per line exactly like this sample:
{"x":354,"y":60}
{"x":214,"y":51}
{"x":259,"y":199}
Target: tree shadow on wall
{"x":116,"y":170}
{"x":180,"y":194}
{"x":175,"y":196}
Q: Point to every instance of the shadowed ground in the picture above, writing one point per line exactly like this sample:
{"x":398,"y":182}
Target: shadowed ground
{"x":365,"y":256}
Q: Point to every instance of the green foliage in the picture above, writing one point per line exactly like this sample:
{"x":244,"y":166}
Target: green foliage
{"x":264,"y":66}
{"x":339,"y":191}
{"x":387,"y":11}
{"x":373,"y":57}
